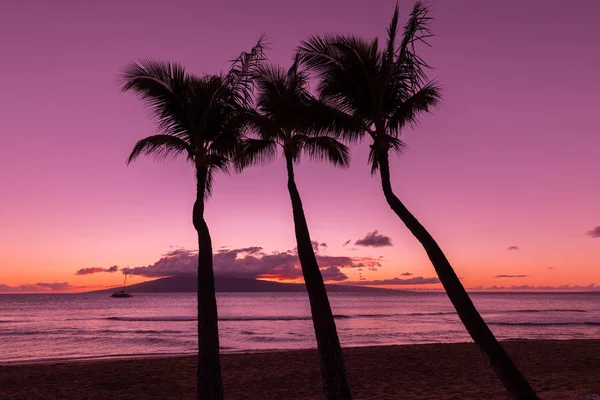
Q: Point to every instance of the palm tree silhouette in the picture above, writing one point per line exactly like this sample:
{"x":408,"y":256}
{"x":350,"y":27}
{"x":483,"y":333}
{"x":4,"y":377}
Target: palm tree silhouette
{"x":198,"y":117}
{"x":287,"y":116}
{"x":387,"y":90}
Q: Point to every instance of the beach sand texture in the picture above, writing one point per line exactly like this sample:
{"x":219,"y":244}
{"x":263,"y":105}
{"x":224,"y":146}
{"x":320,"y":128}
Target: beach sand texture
{"x":556,"y":369}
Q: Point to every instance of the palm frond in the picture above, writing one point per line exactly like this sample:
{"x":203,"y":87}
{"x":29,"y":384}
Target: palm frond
{"x":260,"y":125}
{"x":163,"y":87}
{"x":255,"y":152}
{"x":319,"y":54}
{"x":346,"y":67}
{"x":392,"y":32}
{"x":161,"y":147}
{"x":410,"y":109}
{"x":324,"y":148}
{"x":239,"y":78}
{"x":417,"y":29}
{"x":384,"y":144}
{"x":215,"y":163}
{"x":321,"y":119}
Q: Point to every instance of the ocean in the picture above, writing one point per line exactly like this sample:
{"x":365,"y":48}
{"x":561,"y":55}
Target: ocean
{"x":40,"y":327}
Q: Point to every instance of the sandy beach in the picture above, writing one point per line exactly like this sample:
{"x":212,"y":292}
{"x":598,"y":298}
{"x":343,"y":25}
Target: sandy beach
{"x":556,"y":369}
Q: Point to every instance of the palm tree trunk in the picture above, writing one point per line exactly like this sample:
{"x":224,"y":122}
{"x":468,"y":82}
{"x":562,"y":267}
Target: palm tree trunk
{"x":509,"y":374}
{"x":333,"y":370}
{"x":210,"y":385}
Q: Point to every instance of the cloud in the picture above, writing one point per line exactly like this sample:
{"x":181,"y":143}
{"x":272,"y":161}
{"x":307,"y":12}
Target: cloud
{"x":513,"y":248}
{"x":252,"y":262}
{"x":511,"y":276}
{"x":317,"y":246}
{"x":333,"y":274}
{"x":374,"y":239}
{"x":95,"y":270}
{"x":595,"y":233}
{"x":419,"y":280}
{"x":550,"y":268}
{"x":406,"y":274}
{"x":180,"y":262}
{"x":346,"y":242}
{"x":40,"y":288}
{"x":591,"y":286}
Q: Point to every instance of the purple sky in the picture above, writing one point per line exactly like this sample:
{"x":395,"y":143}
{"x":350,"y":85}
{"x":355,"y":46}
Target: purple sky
{"x":511,"y":158}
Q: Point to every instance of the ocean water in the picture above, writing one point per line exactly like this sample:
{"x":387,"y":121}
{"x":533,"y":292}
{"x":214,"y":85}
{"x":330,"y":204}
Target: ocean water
{"x":74,"y":326}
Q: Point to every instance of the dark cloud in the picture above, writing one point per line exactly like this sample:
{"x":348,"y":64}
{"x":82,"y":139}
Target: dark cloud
{"x":419,"y":280}
{"x":95,"y":270}
{"x":550,"y":268}
{"x":346,"y":242}
{"x":333,"y":274}
{"x":40,"y":288}
{"x":595,"y":233}
{"x":513,"y":248}
{"x":252,"y":262}
{"x":374,"y":239}
{"x":180,"y":262}
{"x":406,"y":274}
{"x":317,"y":246}
{"x":511,"y":276}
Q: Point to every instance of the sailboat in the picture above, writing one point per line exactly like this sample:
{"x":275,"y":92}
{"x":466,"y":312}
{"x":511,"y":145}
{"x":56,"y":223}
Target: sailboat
{"x":122,"y":293}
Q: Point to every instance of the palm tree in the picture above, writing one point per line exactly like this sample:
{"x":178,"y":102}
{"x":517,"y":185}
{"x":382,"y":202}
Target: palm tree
{"x":287,"y":116}
{"x":387,"y":90}
{"x":197,"y":117}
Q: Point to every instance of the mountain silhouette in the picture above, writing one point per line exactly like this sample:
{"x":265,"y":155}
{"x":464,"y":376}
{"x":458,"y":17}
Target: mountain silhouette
{"x":188,"y":284}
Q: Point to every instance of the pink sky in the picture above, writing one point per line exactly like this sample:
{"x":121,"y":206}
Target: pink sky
{"x":511,"y":158}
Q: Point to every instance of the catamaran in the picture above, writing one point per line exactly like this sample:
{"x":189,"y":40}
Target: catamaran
{"x":122,"y":293}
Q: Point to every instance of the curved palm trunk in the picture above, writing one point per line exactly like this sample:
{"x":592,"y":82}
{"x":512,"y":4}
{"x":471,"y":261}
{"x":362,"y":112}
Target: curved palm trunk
{"x":210,"y":385}
{"x":333,"y":370}
{"x":502,"y":365}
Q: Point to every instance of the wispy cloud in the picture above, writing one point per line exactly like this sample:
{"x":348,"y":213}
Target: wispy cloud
{"x":510,"y":248}
{"x":374,"y":239}
{"x":41,"y":288}
{"x":406,"y":274}
{"x":591,"y":286}
{"x":419,"y":280}
{"x":346,"y":242}
{"x":511,"y":276}
{"x":595,"y":233}
{"x":95,"y":270}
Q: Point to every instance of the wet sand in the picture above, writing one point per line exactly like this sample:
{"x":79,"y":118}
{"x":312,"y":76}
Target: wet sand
{"x":556,"y":369}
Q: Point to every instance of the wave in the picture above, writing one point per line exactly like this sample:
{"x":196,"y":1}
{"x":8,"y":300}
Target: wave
{"x":152,"y":319}
{"x":545,"y":323}
{"x":242,"y":318}
{"x":277,"y":318}
{"x":271,"y":339}
{"x":141,"y":331}
{"x":414,"y":314}
{"x":39,"y":332}
{"x":547,"y":310}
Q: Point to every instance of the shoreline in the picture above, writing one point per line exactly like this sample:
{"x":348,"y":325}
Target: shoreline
{"x":557,"y":369}
{"x":227,"y":351}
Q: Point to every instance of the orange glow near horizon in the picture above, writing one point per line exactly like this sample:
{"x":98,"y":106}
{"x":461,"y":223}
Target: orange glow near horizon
{"x":501,"y":173}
